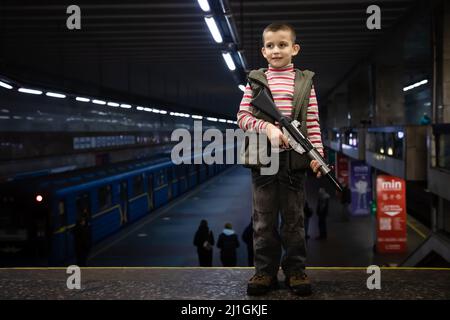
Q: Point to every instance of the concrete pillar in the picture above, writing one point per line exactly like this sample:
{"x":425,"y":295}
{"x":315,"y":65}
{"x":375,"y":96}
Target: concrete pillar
{"x":389,"y":108}
{"x":358,"y":98}
{"x":446,"y":65}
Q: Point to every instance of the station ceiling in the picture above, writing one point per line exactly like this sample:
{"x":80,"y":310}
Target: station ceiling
{"x":167,"y":44}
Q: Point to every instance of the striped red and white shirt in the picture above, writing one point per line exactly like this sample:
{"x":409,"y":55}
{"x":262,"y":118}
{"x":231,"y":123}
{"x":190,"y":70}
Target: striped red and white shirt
{"x":281,"y":84}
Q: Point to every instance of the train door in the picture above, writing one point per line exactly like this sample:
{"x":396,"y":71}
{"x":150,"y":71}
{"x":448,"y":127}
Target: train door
{"x":83,"y":210}
{"x":60,"y":222}
{"x":83,"y":206}
{"x":123,"y":190}
{"x":151,"y":203}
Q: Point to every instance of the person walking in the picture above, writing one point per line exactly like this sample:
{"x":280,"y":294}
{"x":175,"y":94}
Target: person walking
{"x":228,"y":242}
{"x":204,"y":241}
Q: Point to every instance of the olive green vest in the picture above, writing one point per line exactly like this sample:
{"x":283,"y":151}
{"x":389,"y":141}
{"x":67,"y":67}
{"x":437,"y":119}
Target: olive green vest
{"x":302,"y":89}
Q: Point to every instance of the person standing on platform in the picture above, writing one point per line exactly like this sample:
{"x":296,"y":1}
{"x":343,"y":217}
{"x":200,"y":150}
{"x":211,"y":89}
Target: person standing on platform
{"x":204,"y":241}
{"x":322,"y":213}
{"x":282,"y":193}
{"x":247,"y":237}
{"x":228,"y":242}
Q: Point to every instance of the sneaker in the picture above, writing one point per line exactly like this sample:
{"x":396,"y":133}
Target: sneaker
{"x":299,"y":284}
{"x":261,"y":284}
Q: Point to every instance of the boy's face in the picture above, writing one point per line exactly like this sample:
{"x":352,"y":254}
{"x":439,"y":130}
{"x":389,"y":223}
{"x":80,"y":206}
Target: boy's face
{"x":278,"y":48}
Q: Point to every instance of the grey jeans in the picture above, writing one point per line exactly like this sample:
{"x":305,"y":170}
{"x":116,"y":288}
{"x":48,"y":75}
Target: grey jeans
{"x":274,"y":196}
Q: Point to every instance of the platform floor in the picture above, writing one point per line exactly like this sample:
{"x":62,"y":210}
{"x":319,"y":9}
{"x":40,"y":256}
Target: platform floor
{"x":164,"y":238}
{"x":217,"y":284}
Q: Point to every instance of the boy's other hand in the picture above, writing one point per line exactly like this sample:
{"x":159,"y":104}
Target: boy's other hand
{"x":276,"y":137}
{"x":315,"y":167}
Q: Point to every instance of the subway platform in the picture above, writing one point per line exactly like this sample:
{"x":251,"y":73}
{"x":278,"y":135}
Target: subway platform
{"x":164,"y":237}
{"x":149,"y":283}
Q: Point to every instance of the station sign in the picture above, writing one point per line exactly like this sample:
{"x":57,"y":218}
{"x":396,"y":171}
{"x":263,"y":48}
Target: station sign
{"x":391,"y":214}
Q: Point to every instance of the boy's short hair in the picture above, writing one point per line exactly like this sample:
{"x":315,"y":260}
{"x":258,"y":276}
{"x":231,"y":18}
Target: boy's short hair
{"x":276,"y":26}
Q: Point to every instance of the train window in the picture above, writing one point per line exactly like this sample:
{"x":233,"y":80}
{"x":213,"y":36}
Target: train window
{"x":83,"y":205}
{"x":138,"y":185}
{"x":104,"y":197}
{"x":123,"y":190}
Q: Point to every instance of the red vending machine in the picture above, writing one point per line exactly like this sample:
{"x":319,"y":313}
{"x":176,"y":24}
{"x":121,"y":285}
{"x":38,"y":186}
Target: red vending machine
{"x":391,"y":214}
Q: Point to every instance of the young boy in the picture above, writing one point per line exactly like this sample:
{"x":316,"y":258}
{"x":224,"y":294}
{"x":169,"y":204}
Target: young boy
{"x":282,"y":192}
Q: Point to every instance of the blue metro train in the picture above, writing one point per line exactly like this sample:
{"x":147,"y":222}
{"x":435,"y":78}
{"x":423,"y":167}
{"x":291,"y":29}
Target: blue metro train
{"x":37,"y":216}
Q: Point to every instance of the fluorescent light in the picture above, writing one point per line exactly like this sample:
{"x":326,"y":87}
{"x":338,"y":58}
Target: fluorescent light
{"x":211,"y":23}
{"x":113,"y":104}
{"x":242,"y":58}
{"x":99,"y":102}
{"x":211,"y":119}
{"x":148,"y":109}
{"x":204,"y":5}
{"x":140,"y":108}
{"x":242,"y":87}
{"x":222,"y":120}
{"x":5,"y":85}
{"x":197,"y":117}
{"x":82,"y":99}
{"x":155,"y":110}
{"x":125,"y":106}
{"x":229,"y":61}
{"x":229,"y":121}
{"x":400,"y":134}
{"x":30,"y":91}
{"x":162,"y":111}
{"x":415,"y":85}
{"x":55,"y":95}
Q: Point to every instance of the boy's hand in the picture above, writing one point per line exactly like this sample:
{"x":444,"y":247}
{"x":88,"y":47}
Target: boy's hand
{"x":276,"y":137}
{"x":315,"y":167}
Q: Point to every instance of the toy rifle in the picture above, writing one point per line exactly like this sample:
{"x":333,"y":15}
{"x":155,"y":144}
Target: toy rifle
{"x":263,"y":101}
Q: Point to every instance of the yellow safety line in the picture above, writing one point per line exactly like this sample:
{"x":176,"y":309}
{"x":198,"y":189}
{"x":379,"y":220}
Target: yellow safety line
{"x":220,"y":268}
{"x":420,"y":233}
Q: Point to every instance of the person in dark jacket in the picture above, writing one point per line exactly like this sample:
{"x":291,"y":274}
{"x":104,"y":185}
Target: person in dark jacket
{"x":204,"y":241}
{"x":228,"y":242}
{"x":247,"y":237}
{"x":82,"y":239}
